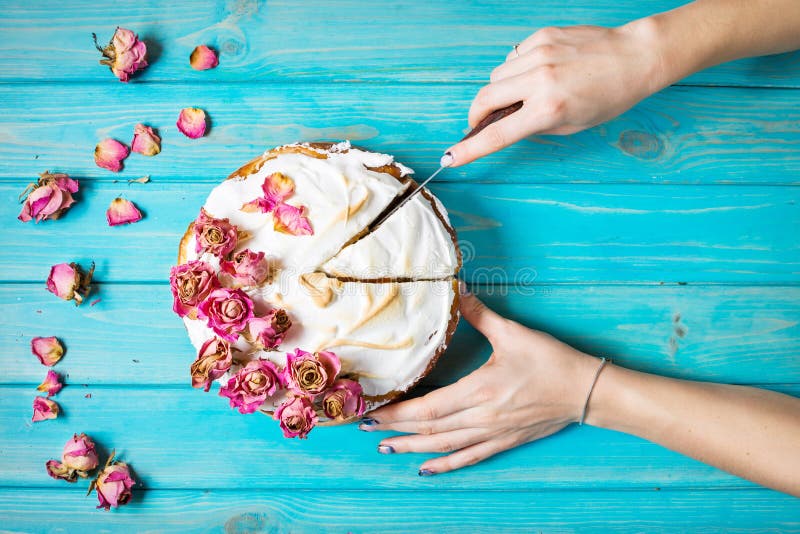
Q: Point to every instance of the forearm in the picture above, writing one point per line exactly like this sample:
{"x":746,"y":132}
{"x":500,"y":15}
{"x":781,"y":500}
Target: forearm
{"x":749,"y":432}
{"x":704,"y":33}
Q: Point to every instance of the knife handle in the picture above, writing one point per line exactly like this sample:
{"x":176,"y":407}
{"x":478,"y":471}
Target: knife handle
{"x":493,"y":117}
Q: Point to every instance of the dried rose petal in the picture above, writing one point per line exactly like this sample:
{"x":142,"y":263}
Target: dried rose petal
{"x":44,"y":408}
{"x":277,"y":187}
{"x":47,"y":349}
{"x":124,"y":55}
{"x":109,"y":154}
{"x":68,"y":282}
{"x":122,"y":211}
{"x":145,"y":141}
{"x":51,"y":384}
{"x":289,"y":219}
{"x":192,"y":122}
{"x":203,"y":58}
{"x":49,"y":198}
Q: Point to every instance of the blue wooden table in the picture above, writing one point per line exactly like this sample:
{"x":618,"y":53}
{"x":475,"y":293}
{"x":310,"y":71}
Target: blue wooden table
{"x":667,"y":239}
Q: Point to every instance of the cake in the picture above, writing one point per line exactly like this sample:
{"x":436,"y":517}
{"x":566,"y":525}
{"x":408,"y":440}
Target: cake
{"x":296,"y":305}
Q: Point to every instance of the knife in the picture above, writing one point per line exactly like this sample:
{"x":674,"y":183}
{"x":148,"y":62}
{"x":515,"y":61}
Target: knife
{"x":491,"y":118}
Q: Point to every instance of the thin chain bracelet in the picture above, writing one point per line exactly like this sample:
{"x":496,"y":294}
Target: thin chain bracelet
{"x":589,"y":395}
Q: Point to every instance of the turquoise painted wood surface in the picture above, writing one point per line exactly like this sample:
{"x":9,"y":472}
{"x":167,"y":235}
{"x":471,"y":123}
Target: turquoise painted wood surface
{"x":666,"y":239}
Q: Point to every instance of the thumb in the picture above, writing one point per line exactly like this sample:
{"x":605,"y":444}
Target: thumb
{"x":485,"y":321}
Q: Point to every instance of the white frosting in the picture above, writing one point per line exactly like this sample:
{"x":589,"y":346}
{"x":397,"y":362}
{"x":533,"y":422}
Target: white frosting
{"x":411,"y":244}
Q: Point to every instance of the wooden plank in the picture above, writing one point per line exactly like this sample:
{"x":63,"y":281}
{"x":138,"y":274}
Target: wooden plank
{"x":247,"y":511}
{"x":684,"y":135}
{"x":353,"y":41}
{"x":725,"y":334}
{"x":181,"y":438}
{"x":570,"y":233}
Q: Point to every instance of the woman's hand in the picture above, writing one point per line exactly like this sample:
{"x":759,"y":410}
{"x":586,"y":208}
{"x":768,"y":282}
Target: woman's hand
{"x":532,"y":386}
{"x":569,"y":79}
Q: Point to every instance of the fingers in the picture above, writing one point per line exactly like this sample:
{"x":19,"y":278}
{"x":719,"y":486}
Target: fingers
{"x":441,"y":442}
{"x":483,"y":319}
{"x":435,"y":405}
{"x":497,"y":95}
{"x":469,"y":455}
{"x":467,"y":418}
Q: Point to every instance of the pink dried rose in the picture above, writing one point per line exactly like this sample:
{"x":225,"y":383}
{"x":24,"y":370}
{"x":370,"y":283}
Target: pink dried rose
{"x":296,"y":416}
{"x":191,"y":283}
{"x":311,"y":374}
{"x":227,"y":312}
{"x":51,"y":385}
{"x":203,"y":58}
{"x":266,"y":333}
{"x":250,"y":387}
{"x":109,"y":154}
{"x":124,"y":55}
{"x":289,"y":219}
{"x":49,"y":198}
{"x":113,"y":484}
{"x":47,"y":349}
{"x":192,"y":122}
{"x":145,"y":140}
{"x":78,"y":458}
{"x":277,"y":187}
{"x":122,"y":211}
{"x":67,"y":281}
{"x":245,"y":269}
{"x":344,"y":400}
{"x":216,"y":236}
{"x":44,"y":408}
{"x":213,"y":360}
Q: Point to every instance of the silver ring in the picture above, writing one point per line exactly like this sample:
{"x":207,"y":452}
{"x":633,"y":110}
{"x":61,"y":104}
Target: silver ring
{"x":516,"y":47}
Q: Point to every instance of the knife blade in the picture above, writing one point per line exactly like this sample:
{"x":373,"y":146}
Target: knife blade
{"x":491,"y":118}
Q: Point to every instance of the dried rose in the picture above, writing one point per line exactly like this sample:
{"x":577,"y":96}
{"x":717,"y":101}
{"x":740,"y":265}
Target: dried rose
{"x":311,"y":374}
{"x":191,"y":283}
{"x":124,"y":55}
{"x":289,"y":219}
{"x":49,"y":198}
{"x":297,"y":416}
{"x":277,"y":187}
{"x":246,"y":269}
{"x":113,"y":484}
{"x":227,"y":312}
{"x":250,"y":387}
{"x":68,"y":282}
{"x":266,"y":333}
{"x":60,"y":471}
{"x":122,"y":211}
{"x":216,"y":236}
{"x":47,"y":349}
{"x":192,"y":122}
{"x":203,"y":58}
{"x":213,"y":360}
{"x":79,"y":454}
{"x":109,"y":154}
{"x":145,"y":140}
{"x":44,"y":408}
{"x":51,"y":384}
{"x":344,"y":399}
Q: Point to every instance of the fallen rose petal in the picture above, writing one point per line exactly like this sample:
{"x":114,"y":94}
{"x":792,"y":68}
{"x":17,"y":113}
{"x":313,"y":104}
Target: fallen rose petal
{"x":51,"y":384}
{"x":145,"y":141}
{"x":122,"y":211}
{"x":47,"y":349}
{"x":49,"y":198}
{"x":203,"y":58}
{"x":68,"y":282}
{"x":44,"y":408}
{"x":289,"y":219}
{"x":109,"y":154}
{"x":124,"y":55}
{"x":192,"y":122}
{"x":60,"y":471}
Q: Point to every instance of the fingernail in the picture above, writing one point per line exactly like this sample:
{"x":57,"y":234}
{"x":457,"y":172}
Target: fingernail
{"x":385,"y":449}
{"x":426,"y":472}
{"x":463,"y":289}
{"x":446,"y":160}
{"x":365,"y":428}
{"x":368,"y":421}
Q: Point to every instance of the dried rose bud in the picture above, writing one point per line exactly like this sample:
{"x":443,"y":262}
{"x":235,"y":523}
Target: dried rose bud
{"x":344,"y":400}
{"x":145,"y":140}
{"x":216,"y":236}
{"x":124,"y":55}
{"x":250,"y":387}
{"x":266,"y":333}
{"x":80,"y":454}
{"x":47,"y":349}
{"x":213,"y":360}
{"x":44,"y":408}
{"x":60,"y":471}
{"x":113,"y":484}
{"x":49,"y":198}
{"x":296,"y":416}
{"x":192,"y":122}
{"x":191,"y":283}
{"x":109,"y":154}
{"x":246,"y":269}
{"x":203,"y":58}
{"x":122,"y":211}
{"x":227,"y":312}
{"x":289,"y":219}
{"x":311,"y":374}
{"x":51,"y":384}
{"x":68,"y":282}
